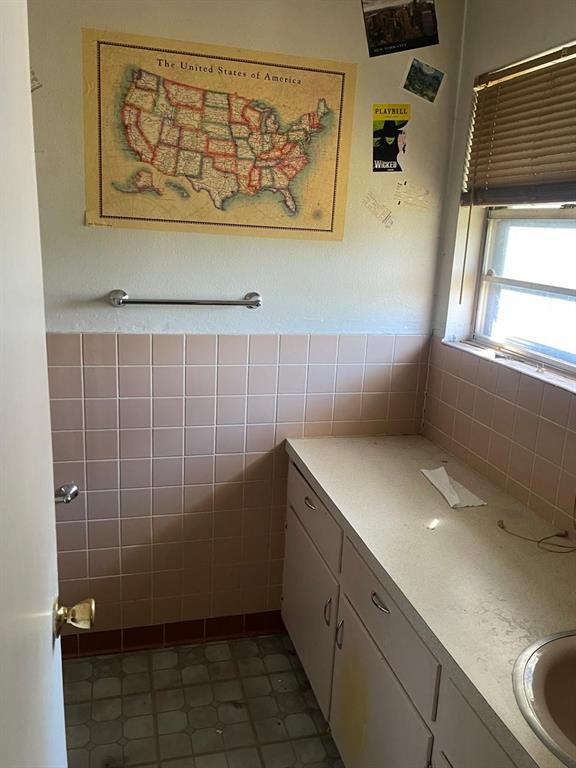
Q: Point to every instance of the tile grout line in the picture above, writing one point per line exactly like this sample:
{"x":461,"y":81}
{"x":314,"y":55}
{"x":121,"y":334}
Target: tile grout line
{"x":118,"y":469}
{"x":85,"y":463}
{"x":154,"y":707}
{"x":183,"y":451}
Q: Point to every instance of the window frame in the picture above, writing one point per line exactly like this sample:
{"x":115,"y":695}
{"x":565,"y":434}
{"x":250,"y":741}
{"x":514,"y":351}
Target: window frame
{"x":509,"y":349}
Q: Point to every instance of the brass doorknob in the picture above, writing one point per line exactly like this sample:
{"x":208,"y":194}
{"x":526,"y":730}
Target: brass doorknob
{"x":80,"y":615}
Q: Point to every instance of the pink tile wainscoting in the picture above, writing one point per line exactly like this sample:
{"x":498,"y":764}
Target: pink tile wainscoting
{"x":518,"y":430}
{"x":176,"y":443}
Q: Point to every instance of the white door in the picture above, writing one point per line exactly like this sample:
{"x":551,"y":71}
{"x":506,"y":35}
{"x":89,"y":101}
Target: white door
{"x":309,"y":603}
{"x":31,"y":704}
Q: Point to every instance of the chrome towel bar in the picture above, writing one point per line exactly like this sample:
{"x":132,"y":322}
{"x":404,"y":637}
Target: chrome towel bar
{"x":252,"y":300}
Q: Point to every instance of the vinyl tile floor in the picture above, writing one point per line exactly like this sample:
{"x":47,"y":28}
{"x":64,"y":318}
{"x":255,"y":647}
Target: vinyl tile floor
{"x":236,"y":704}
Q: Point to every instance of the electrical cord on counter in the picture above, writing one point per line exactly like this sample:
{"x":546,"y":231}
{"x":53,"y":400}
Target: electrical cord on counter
{"x":544,"y":543}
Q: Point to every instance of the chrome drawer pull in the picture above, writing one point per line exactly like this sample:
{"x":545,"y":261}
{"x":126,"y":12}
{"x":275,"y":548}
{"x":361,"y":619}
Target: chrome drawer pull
{"x":308,"y":503}
{"x":378,"y":603}
{"x":328,"y":611}
{"x":340,"y":633}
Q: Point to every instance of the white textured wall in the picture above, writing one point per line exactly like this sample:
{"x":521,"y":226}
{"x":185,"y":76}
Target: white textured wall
{"x":496,"y":34}
{"x":375,"y":280}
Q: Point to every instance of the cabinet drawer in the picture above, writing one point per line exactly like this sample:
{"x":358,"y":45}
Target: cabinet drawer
{"x":323,"y":529}
{"x":463,"y":741}
{"x":414,"y":665}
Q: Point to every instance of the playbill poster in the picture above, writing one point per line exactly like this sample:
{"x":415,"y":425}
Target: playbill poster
{"x":202,"y":138}
{"x":388,"y":136}
{"x":399,"y":25}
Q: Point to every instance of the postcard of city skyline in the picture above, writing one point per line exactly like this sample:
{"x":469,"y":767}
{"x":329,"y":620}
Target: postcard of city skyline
{"x":399,"y":25}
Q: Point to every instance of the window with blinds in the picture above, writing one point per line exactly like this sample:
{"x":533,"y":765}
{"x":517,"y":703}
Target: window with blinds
{"x":521,"y":167}
{"x":522,"y":144}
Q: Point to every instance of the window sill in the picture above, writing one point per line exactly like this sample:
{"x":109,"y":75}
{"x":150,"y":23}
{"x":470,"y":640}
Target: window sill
{"x":486,"y":353}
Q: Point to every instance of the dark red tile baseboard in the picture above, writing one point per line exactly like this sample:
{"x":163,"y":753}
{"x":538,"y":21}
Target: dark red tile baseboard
{"x":177,"y":633}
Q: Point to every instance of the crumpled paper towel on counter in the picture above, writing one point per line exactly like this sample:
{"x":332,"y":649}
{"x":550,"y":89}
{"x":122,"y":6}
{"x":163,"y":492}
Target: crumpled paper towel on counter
{"x":454,"y":493}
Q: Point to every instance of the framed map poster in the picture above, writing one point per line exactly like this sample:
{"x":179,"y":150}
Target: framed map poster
{"x":193,"y":137}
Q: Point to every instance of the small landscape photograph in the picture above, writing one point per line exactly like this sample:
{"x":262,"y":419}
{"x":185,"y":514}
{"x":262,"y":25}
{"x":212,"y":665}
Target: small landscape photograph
{"x":423,"y":80}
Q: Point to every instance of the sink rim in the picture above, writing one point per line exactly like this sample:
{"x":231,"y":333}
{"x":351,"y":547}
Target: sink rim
{"x":522,"y":689}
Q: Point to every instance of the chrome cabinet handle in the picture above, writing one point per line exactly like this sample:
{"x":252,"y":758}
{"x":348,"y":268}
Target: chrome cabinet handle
{"x":328,"y":611}
{"x":340,"y":633}
{"x":379,"y":603}
{"x":308,"y":503}
{"x":66,"y":493}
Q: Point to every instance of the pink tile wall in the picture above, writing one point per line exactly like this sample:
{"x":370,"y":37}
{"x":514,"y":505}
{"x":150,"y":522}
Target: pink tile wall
{"x":176,"y":442}
{"x":516,"y":429}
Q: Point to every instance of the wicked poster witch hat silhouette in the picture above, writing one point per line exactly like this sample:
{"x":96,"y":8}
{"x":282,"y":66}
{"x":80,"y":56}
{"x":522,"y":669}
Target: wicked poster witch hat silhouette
{"x":387,"y":147}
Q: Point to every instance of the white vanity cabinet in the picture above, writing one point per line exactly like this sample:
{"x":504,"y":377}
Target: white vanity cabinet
{"x":384,"y":693}
{"x":373,"y":721}
{"x":309,"y":605}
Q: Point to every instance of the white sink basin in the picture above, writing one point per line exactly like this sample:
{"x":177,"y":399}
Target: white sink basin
{"x":544,"y":680}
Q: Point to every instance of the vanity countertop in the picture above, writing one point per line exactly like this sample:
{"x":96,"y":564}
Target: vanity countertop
{"x":473,"y":591}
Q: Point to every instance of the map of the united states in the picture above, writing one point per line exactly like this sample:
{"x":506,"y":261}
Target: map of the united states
{"x":222,"y":143}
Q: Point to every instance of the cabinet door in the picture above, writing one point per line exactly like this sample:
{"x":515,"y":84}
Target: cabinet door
{"x":309,"y":604}
{"x":373,"y":721}
{"x":462,"y":739}
{"x":397,"y":640}
{"x":439,"y":759}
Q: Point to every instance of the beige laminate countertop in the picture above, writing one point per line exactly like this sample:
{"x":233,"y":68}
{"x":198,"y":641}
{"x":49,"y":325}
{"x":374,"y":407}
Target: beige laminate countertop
{"x":469,"y":587}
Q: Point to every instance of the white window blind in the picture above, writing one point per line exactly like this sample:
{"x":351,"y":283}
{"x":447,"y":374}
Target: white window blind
{"x":522,"y":144}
